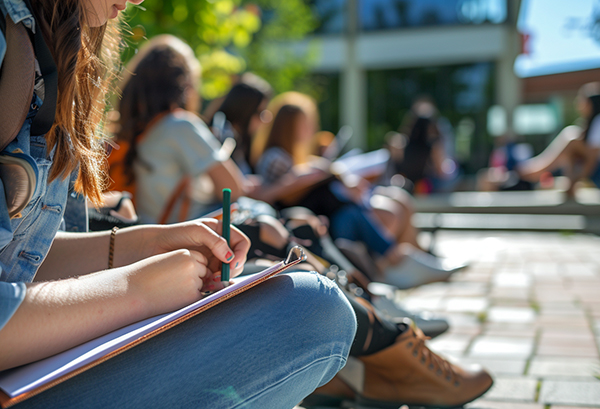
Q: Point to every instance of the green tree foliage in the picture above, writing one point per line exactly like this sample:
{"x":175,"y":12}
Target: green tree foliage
{"x":230,"y":36}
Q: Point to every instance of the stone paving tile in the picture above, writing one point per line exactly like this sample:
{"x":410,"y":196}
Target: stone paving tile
{"x":423,"y":303}
{"x":570,"y":392}
{"x":518,"y":389}
{"x":498,"y":366}
{"x":484,"y":404}
{"x":527,"y":309}
{"x":548,"y":367}
{"x":512,"y":280}
{"x":566,"y":340}
{"x":466,"y":304}
{"x":452,"y":343}
{"x":514,"y":330}
{"x":501,"y":293}
{"x":566,"y":332}
{"x":579,"y":270}
{"x":574,"y":407}
{"x":512,"y":315}
{"x":463,"y":320}
{"x":488,"y":346}
{"x":590,"y":352}
{"x":563,"y":320}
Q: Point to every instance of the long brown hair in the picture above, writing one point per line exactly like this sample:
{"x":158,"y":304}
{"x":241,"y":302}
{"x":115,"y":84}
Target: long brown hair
{"x":162,"y":79}
{"x":307,"y":104}
{"x":284,"y":130}
{"x":86,"y":63}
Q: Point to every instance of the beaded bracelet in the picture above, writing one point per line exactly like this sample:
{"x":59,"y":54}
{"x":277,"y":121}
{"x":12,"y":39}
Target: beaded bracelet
{"x":111,"y":247}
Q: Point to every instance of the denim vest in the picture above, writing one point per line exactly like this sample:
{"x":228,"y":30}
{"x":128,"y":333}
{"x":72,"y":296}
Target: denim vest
{"x":33,"y":232}
{"x":25,"y":240}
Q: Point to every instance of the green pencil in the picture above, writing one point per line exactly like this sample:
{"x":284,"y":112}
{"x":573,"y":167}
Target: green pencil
{"x":226,"y":230}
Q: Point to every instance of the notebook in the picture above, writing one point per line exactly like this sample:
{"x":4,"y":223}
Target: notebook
{"x":20,"y":383}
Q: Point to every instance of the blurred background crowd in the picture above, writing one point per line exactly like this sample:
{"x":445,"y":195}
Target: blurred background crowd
{"x":496,"y":78}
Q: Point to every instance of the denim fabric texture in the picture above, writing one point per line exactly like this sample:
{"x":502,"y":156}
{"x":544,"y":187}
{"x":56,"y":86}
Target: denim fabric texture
{"x":25,"y":240}
{"x":266,"y":349}
{"x":355,"y":224}
{"x":33,"y":232}
{"x":595,"y":176}
{"x":76,"y":213}
{"x":18,"y":12}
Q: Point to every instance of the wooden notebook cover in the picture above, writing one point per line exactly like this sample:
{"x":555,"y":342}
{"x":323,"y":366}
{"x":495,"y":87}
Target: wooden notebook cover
{"x":6,"y":401}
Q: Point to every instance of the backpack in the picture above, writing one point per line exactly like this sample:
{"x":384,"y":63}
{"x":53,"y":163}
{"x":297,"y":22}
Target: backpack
{"x":17,"y":77}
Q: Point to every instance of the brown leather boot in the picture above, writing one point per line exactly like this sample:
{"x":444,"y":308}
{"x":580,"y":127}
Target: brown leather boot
{"x":331,"y":394}
{"x":408,"y":373}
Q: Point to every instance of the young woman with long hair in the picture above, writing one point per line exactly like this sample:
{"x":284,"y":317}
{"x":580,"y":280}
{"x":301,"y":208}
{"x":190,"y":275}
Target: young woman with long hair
{"x":58,"y":290}
{"x":575,"y":149}
{"x":244,"y":107}
{"x":169,"y":145}
{"x":356,"y":212}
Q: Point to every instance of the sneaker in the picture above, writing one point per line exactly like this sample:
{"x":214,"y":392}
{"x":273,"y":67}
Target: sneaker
{"x":418,"y":268}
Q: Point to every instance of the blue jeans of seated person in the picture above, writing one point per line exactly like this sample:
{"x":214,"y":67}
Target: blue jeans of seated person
{"x":356,"y":224}
{"x":595,"y":176}
{"x":268,"y":347}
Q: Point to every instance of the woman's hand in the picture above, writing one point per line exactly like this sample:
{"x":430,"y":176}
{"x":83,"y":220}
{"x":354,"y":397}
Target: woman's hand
{"x":169,"y":281}
{"x":204,"y":236}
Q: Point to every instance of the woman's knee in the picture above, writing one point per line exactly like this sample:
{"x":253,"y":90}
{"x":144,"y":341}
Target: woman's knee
{"x":319,"y":307}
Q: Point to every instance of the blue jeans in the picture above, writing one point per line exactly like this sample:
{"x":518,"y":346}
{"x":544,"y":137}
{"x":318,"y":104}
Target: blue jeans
{"x":356,"y":224}
{"x":266,"y":348}
{"x":595,"y":176}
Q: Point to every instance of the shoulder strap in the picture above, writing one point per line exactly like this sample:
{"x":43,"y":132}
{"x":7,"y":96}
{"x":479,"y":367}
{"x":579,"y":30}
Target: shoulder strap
{"x":179,"y":192}
{"x":45,"y":117}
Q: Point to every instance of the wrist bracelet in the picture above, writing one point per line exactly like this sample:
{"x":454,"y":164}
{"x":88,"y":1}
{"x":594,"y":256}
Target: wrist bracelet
{"x":111,"y":247}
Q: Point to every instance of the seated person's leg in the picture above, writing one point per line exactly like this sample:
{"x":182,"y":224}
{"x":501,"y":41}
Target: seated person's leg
{"x":266,"y":348}
{"x":351,"y":223}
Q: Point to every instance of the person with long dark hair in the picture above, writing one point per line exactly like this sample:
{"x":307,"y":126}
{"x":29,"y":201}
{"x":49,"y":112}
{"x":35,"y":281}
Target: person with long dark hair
{"x":575,"y":149}
{"x":244,"y":109}
{"x":176,"y":162}
{"x":58,"y":290}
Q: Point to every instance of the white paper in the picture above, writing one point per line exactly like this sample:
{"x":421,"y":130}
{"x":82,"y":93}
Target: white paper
{"x":26,"y":378}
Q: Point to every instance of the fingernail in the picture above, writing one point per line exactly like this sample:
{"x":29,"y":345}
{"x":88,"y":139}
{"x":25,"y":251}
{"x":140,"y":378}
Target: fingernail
{"x":217,"y":279}
{"x":229,"y":255}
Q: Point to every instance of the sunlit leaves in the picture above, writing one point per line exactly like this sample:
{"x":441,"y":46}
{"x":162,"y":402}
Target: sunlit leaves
{"x":228,"y":36}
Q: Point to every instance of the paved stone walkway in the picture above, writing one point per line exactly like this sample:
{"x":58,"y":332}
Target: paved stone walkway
{"x":528,"y":309}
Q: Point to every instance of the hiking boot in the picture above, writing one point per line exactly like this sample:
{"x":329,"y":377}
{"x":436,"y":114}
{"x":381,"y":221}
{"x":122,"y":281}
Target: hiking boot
{"x":408,"y":373}
{"x":330,"y":395}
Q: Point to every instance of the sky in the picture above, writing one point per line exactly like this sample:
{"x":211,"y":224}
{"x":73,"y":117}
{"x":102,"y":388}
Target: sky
{"x":561,"y":36}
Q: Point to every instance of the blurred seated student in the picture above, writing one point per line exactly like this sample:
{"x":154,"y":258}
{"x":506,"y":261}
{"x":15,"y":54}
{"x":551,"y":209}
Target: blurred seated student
{"x":244,"y":112}
{"x":309,"y":183}
{"x":576,"y":149}
{"x":427,"y":161}
{"x":502,"y":174}
{"x":177,"y":164}
{"x":392,"y":206}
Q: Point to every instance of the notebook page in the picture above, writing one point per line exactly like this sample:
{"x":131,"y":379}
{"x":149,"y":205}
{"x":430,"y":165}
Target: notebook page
{"x":26,"y":378}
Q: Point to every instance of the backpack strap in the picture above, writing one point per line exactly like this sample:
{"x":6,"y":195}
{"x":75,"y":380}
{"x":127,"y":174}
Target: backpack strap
{"x":180,"y":192}
{"x":16,"y":82}
{"x":44,"y":119}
